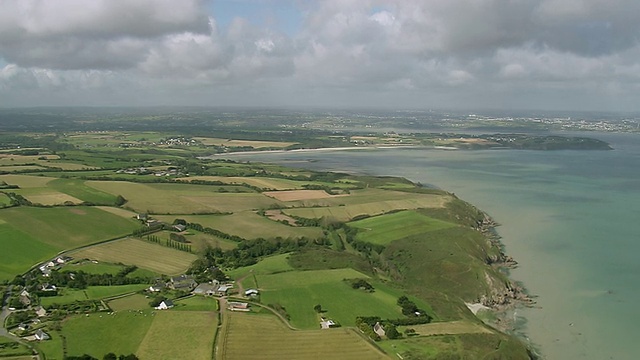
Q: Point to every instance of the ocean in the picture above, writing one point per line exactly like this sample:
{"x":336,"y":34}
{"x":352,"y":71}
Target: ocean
{"x":570,"y":219}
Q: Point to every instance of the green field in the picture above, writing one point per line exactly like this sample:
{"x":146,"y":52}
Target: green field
{"x":269,"y":265}
{"x":265,"y":337}
{"x":91,"y":293}
{"x":100,"y":333}
{"x":78,"y":189}
{"x":10,"y":348}
{"x":143,"y":254}
{"x":248,"y":225}
{"x":196,"y":303}
{"x":181,"y":198}
{"x":52,"y":348}
{"x":384,"y":229}
{"x":4,"y":200}
{"x":300,"y":291}
{"x":67,"y":227}
{"x":267,"y":183}
{"x":20,"y":251}
{"x":180,"y":335}
{"x":131,"y":302}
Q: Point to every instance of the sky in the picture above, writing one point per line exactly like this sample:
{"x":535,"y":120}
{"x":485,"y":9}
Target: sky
{"x":397,"y":54}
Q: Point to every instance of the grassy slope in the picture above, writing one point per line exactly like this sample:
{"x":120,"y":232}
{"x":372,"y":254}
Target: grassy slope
{"x":78,"y":189}
{"x":90,"y":293}
{"x":387,"y":228}
{"x":20,"y":251}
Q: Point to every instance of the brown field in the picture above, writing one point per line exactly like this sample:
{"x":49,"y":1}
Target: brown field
{"x":52,"y":198}
{"x":253,"y":143}
{"x":277,"y":215}
{"x":138,"y":252}
{"x":251,"y":336}
{"x":296,"y":195}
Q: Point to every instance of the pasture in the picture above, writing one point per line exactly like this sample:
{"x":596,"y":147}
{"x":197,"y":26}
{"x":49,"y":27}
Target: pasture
{"x":20,"y":251}
{"x":196,"y":303}
{"x":297,"y":195}
{"x":179,"y":335}
{"x":300,"y":291}
{"x":248,"y":225}
{"x":143,"y":254}
{"x":4,"y":200}
{"x":90,"y":293}
{"x":269,"y":265}
{"x":78,"y":189}
{"x":181,"y":198}
{"x":66,"y":228}
{"x":384,"y":229}
{"x":100,"y":333}
{"x":131,"y":302}
{"x":248,"y":336}
{"x":26,"y":181}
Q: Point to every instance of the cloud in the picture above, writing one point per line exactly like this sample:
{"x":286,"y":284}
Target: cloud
{"x":420,"y":51}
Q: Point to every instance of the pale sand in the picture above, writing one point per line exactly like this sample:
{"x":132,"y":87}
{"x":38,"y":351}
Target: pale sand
{"x":475,"y":308}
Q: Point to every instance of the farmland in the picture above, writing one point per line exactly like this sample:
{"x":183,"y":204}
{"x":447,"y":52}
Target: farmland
{"x":138,"y":252}
{"x":91,"y":293}
{"x":300,"y":291}
{"x":248,"y":225}
{"x":386,"y":228}
{"x":276,"y":341}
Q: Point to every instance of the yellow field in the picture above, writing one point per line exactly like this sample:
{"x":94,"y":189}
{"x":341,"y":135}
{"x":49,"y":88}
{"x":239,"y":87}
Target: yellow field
{"x":261,"y":182}
{"x":118,"y":211}
{"x":181,"y":198}
{"x":26,"y":181}
{"x":348,"y":212}
{"x":20,"y":168}
{"x":52,"y":198}
{"x":447,"y":328}
{"x":180,"y":335}
{"x":9,"y":159}
{"x":265,"y":337}
{"x":296,"y":195}
{"x":253,"y":143}
{"x":138,"y":252}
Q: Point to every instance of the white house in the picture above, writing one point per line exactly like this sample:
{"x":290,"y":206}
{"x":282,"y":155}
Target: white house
{"x":166,"y":304}
{"x":41,"y":335}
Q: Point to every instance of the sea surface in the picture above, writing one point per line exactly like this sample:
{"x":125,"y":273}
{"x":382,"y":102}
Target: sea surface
{"x":570,"y":218}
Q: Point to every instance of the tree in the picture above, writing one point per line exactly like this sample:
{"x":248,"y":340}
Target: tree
{"x":318,"y":308}
{"x":110,"y":356}
{"x":120,"y":200}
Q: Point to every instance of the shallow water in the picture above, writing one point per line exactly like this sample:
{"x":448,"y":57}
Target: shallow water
{"x":570,"y":218}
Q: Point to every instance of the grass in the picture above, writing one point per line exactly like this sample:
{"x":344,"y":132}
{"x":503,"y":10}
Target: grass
{"x":78,"y":189}
{"x":99,"y":333}
{"x":264,"y":336}
{"x":249,"y":225}
{"x":270,"y":265}
{"x":11,"y":348}
{"x":20,"y":251}
{"x":267,"y":183}
{"x":300,"y":291}
{"x":67,"y":227}
{"x":4,"y":200}
{"x":90,"y":293}
{"x":196,"y":303}
{"x":256,"y":144}
{"x":384,"y":229}
{"x":143,"y":254}
{"x":52,"y":348}
{"x":180,"y":335}
{"x":26,"y":181}
{"x":131,"y":302}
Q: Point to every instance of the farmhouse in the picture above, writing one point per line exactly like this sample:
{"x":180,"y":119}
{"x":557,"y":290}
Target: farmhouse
{"x":179,"y":227}
{"x":40,"y":311}
{"x":209,"y":288}
{"x":251,"y":292}
{"x":157,"y":287}
{"x":166,"y":304}
{"x":378,"y":329}
{"x":326,"y":323}
{"x":182,"y":282}
{"x":41,"y":335}
{"x":223,"y":289}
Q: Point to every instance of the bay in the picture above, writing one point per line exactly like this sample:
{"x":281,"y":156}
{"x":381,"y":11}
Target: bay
{"x":570,"y":218}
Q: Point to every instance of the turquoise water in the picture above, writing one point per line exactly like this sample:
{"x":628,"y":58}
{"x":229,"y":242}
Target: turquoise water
{"x":570,"y":218}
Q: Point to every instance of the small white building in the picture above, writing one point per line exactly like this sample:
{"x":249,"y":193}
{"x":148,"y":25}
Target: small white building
{"x":166,"y":304}
{"x":41,"y":335}
{"x":251,"y":292}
